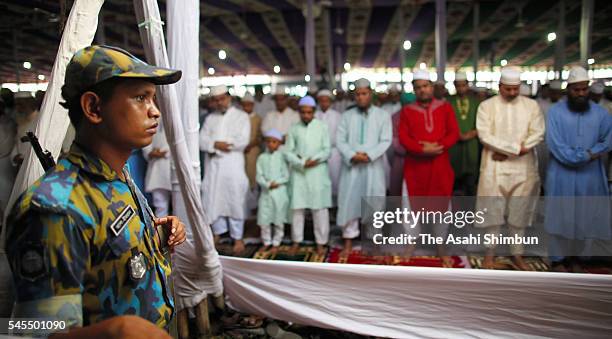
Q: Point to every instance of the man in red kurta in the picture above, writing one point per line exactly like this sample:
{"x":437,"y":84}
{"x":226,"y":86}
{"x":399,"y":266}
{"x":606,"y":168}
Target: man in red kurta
{"x":427,"y":129}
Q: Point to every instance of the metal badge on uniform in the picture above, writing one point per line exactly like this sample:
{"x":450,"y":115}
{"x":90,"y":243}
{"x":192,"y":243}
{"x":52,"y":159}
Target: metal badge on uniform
{"x":33,"y":263}
{"x":123,"y":219}
{"x":137,"y":265}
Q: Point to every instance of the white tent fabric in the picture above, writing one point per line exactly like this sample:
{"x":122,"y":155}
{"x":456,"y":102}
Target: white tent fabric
{"x":183,"y":52}
{"x":52,"y":122}
{"x":197,"y":272}
{"x":53,"y":119}
{"x":420,"y":302}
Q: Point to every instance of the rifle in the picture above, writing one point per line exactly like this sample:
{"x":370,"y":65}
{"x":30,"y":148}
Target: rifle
{"x":45,"y":157}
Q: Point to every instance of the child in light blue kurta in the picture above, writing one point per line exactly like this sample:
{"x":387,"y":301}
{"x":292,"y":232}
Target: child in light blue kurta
{"x":307,"y":149}
{"x":272,"y":175}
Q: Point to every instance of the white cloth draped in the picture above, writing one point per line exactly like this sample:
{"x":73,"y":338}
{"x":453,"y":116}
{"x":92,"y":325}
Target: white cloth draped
{"x":53,"y":119}
{"x":196,"y":268}
{"x":421,"y":302}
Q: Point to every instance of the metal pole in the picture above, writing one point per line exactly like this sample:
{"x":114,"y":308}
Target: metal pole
{"x":586,"y":28}
{"x":560,"y":45}
{"x":440,"y":38}
{"x":476,"y":38}
{"x":402,"y":53}
{"x":309,"y":46}
{"x":330,"y":56}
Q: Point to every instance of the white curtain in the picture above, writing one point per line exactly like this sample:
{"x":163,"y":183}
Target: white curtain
{"x":420,"y":302}
{"x":196,"y":268}
{"x":52,"y":121}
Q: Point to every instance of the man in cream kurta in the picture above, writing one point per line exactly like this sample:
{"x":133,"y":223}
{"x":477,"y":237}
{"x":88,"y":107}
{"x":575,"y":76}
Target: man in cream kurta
{"x":223,"y":137}
{"x":331,"y":118}
{"x":364,"y":135}
{"x":307,"y":150}
{"x":509,"y":126}
{"x":283,"y":117}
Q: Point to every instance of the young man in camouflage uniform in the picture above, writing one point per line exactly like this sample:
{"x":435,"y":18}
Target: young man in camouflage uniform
{"x":83,"y":244}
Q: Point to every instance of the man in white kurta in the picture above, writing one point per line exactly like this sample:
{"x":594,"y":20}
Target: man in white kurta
{"x":223,"y":137}
{"x":331,"y":118}
{"x":283,"y":117}
{"x":158,"y":180}
{"x":307,"y":150}
{"x":363,"y":136}
{"x":509,"y":126}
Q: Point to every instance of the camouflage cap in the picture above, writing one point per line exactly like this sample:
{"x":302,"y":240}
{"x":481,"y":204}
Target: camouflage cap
{"x":94,"y":64}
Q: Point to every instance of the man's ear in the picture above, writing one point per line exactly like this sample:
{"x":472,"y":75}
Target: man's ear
{"x":91,"y":105}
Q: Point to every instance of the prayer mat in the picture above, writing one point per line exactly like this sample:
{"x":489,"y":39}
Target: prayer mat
{"x":304,"y":253}
{"x":506,"y":263}
{"x":225,"y":248}
{"x":357,"y":257}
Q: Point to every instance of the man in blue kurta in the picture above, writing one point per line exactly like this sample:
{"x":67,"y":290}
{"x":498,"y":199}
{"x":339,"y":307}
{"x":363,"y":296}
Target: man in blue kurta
{"x":363,"y":136}
{"x":579,"y":133}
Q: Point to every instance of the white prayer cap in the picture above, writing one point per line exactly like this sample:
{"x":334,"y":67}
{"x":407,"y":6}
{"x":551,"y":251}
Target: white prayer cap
{"x":421,"y":74}
{"x":555,"y":84}
{"x":362,"y":83}
{"x":23,"y":95}
{"x":307,"y":101}
{"x":525,"y":90}
{"x":248,"y":97}
{"x":510,"y":75}
{"x":577,"y":74}
{"x":460,"y":76}
{"x":325,"y":93}
{"x":597,"y":88}
{"x":218,"y":90}
{"x":274,"y":133}
{"x":280,"y":90}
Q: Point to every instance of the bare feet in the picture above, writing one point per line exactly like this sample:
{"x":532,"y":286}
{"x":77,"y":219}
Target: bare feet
{"x":274,"y":250}
{"x":520,"y":263}
{"x":447,"y":261}
{"x":216,"y":238}
{"x":489,"y":262}
{"x":294,"y":248}
{"x":348,"y":247}
{"x":320,"y":249}
{"x":238,"y":247}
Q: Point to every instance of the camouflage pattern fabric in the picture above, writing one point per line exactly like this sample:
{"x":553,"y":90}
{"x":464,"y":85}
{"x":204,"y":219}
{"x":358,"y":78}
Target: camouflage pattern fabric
{"x":71,"y":238}
{"x":94,"y":64}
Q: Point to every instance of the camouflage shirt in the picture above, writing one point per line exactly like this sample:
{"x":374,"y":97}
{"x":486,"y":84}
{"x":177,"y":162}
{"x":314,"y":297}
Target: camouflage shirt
{"x":74,"y":239}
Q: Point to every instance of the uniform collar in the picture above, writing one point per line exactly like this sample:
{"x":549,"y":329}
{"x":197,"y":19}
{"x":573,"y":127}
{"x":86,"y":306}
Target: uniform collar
{"x":91,"y":163}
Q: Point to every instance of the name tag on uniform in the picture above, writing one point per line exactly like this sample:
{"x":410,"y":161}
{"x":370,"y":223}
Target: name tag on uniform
{"x":123,"y":219}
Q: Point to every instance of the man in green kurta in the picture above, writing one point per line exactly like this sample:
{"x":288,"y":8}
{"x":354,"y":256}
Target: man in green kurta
{"x":307,"y":149}
{"x":465,"y":154}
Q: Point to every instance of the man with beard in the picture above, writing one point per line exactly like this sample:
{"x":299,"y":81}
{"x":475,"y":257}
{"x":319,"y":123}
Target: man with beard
{"x":283,"y":117}
{"x":464,"y":155}
{"x":509,"y":126}
{"x":578,"y":134}
{"x":363,"y":136}
{"x":224,"y":137}
{"x":427,"y":130}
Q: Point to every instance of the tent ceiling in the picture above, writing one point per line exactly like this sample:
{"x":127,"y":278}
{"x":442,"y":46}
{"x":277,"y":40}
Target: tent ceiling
{"x":258,"y":34}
